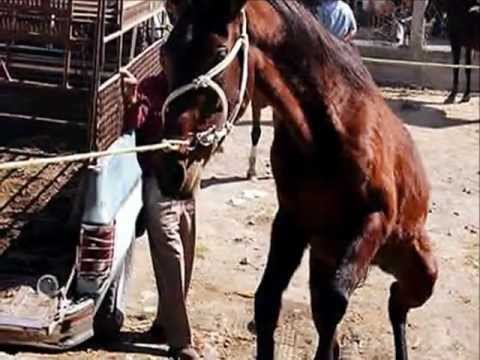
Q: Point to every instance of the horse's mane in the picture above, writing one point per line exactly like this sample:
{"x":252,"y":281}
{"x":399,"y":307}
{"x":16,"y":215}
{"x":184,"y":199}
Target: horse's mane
{"x":313,"y":40}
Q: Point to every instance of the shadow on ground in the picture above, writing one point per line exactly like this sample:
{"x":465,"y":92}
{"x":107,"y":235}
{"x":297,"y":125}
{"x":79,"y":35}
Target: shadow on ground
{"x":139,"y":343}
{"x":248,"y":122}
{"x":423,"y":114}
{"x":129,"y":342}
{"x":214,"y":180}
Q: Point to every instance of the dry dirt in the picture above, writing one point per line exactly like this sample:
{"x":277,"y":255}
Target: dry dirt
{"x":234,"y":224}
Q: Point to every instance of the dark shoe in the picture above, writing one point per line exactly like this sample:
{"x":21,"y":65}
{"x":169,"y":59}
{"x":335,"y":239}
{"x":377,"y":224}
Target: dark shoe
{"x":185,"y":353}
{"x":157,"y":333}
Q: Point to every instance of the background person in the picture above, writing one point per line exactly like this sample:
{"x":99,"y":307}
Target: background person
{"x":337,"y":16}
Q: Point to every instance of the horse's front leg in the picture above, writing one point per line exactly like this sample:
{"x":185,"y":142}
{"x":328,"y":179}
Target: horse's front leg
{"x":456,"y":49}
{"x":468,"y":74}
{"x":286,"y":251}
{"x":331,"y":287}
{"x":255,"y":136}
{"x":416,"y":271}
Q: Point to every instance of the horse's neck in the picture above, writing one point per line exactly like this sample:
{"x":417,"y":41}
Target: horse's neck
{"x":307,"y":116}
{"x":275,"y":88}
{"x":307,"y":99}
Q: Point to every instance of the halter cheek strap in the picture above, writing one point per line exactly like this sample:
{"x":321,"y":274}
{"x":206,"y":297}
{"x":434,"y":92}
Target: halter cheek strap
{"x":214,"y":135}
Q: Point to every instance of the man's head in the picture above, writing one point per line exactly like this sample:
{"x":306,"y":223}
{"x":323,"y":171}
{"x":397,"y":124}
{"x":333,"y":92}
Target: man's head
{"x":175,"y":8}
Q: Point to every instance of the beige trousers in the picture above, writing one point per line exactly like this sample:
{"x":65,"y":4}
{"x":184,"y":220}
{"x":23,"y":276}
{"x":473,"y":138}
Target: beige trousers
{"x":171,"y":232}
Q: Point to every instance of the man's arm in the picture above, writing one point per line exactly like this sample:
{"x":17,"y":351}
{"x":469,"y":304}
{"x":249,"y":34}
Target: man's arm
{"x":136,"y":103}
{"x":353,"y":24}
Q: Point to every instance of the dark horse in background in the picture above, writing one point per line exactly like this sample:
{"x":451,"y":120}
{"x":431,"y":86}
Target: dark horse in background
{"x":463,"y":27}
{"x":350,"y":182}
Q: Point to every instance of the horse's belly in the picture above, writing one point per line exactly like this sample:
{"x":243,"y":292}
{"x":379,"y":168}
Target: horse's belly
{"x":318,"y":208}
{"x":319,"y":193}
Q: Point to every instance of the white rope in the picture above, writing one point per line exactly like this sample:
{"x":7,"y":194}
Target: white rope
{"x":418,"y":63}
{"x":170,"y":145}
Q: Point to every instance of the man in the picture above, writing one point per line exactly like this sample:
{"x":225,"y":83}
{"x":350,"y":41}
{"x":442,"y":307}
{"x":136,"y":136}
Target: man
{"x":170,"y":222}
{"x":338,"y":18}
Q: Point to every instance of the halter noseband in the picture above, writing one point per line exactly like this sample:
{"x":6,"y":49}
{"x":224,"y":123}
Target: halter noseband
{"x":214,"y":135}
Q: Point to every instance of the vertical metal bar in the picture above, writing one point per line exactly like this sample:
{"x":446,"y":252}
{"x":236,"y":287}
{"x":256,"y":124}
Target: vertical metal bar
{"x":68,"y":46}
{"x":120,"y":52}
{"x":13,"y":14}
{"x":97,"y":69}
{"x":133,"y":43}
{"x":120,"y":40}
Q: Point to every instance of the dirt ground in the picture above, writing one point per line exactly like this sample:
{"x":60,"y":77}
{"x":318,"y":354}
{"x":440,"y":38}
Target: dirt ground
{"x":233,"y":237}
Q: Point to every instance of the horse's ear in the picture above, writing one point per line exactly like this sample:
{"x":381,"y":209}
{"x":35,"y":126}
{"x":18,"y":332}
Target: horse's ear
{"x":235,"y":6}
{"x":218,"y":10}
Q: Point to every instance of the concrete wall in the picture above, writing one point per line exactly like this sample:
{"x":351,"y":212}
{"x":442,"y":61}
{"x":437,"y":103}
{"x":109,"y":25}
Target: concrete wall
{"x":414,"y":75}
{"x":410,"y":75}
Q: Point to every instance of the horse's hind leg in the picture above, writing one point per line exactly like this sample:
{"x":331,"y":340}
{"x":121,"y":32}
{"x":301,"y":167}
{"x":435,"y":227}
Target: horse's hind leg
{"x":415,"y":269}
{"x":286,"y":251}
{"x":468,"y":74}
{"x":329,"y":303}
{"x":331,"y":288}
{"x":255,"y":136}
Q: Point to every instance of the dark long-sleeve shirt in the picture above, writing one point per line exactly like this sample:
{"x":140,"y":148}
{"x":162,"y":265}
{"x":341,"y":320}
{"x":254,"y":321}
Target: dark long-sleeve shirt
{"x":145,"y":116}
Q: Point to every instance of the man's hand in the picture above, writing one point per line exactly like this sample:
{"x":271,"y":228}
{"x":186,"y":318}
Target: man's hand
{"x":129,"y":87}
{"x":349,"y":36}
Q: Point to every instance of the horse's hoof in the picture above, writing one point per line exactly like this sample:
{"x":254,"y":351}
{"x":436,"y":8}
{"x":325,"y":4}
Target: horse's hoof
{"x":252,"y":171}
{"x":465,"y":98}
{"x":251,"y":175}
{"x":450,"y":99}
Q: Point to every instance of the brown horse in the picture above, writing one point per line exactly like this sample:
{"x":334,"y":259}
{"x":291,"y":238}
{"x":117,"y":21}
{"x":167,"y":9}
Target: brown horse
{"x":350,"y":183}
{"x":463,"y":26}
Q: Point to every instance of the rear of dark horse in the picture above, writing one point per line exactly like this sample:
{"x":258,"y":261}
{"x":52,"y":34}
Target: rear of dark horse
{"x":463,"y":25}
{"x":349,"y":180}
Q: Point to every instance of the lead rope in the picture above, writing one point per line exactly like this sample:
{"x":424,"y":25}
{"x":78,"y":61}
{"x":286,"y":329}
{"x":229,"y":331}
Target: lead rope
{"x":243,"y":85}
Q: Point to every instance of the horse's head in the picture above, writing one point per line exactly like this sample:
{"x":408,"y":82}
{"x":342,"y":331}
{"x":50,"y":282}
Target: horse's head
{"x":206,"y":63}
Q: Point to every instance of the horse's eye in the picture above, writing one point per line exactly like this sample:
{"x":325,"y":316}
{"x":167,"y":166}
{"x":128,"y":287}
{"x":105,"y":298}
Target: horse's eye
{"x":222,"y":53}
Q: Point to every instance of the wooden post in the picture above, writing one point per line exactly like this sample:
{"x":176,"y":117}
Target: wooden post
{"x":418,"y":28}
